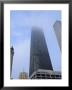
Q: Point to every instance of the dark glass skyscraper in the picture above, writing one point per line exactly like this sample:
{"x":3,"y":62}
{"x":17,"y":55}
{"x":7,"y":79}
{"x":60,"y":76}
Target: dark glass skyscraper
{"x":39,"y":56}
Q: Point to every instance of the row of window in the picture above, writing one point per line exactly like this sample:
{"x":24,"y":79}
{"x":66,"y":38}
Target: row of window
{"x":46,"y":76}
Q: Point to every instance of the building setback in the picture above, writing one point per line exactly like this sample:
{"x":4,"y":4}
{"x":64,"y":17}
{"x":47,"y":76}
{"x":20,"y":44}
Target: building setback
{"x":39,"y":55}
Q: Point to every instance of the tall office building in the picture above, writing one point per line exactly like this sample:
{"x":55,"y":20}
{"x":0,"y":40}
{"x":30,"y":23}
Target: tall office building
{"x":39,"y":56}
{"x":11,"y":62}
{"x":57,"y":29}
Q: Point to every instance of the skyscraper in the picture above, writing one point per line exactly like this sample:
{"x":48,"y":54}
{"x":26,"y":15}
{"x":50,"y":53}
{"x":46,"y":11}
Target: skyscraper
{"x":39,"y":56}
{"x":11,"y":62}
{"x":57,"y":29}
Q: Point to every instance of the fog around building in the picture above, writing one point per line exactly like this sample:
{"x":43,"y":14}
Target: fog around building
{"x":21,"y":25}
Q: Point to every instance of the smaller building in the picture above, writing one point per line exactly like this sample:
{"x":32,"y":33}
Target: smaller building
{"x":46,"y":74}
{"x":23,"y":75}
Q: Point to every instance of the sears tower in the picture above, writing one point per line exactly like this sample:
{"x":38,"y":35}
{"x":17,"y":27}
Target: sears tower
{"x":39,"y":56}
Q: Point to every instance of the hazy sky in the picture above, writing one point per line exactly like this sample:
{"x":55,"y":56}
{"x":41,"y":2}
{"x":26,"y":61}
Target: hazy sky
{"x":21,"y":26}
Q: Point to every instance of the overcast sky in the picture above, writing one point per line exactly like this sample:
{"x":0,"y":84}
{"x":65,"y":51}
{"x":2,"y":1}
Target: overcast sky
{"x":21,"y":26}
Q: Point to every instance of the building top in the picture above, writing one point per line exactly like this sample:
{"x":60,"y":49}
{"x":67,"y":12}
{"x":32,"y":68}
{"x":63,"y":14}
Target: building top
{"x":57,"y":24}
{"x":45,"y":74}
{"x":48,"y":71}
{"x":12,"y":50}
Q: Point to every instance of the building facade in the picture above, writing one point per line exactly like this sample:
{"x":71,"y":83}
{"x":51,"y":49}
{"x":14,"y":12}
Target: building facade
{"x":39,"y":56}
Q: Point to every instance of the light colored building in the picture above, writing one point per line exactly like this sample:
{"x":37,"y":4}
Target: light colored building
{"x":23,"y":75}
{"x":46,"y":74}
{"x":57,"y":30}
